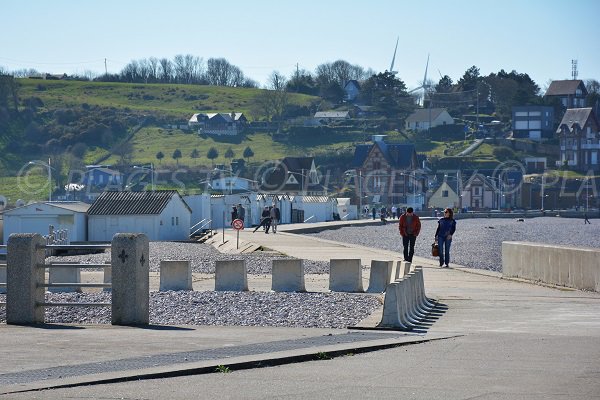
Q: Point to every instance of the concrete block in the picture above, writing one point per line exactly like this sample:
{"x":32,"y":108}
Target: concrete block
{"x":64,"y":275}
{"x":288,"y":276}
{"x":175,"y":275}
{"x":131,"y":279}
{"x":107,"y":276}
{"x":345,"y":275}
{"x":2,"y":279}
{"x":381,"y":275}
{"x":24,"y":270}
{"x":231,"y":275}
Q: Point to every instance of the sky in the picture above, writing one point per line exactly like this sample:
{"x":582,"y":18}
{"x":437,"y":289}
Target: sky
{"x":536,"y":37}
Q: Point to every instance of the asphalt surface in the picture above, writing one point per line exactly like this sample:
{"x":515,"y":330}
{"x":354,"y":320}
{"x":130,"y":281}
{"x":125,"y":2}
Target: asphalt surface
{"x":493,"y":339}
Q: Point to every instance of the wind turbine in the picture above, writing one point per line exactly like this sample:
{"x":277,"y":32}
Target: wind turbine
{"x":425,"y":86}
{"x":394,"y":58}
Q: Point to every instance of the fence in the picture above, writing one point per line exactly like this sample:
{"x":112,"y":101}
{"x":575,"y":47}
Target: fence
{"x":26,"y":282}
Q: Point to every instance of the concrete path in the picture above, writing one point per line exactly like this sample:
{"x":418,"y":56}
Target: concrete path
{"x":497,"y":339}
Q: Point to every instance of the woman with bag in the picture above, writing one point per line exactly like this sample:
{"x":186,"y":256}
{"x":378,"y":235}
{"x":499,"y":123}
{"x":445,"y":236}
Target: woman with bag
{"x":445,"y":230}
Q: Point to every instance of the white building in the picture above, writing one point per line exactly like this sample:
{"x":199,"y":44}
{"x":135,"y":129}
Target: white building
{"x":161,"y":215}
{"x":37,"y":218}
{"x":424,"y":118}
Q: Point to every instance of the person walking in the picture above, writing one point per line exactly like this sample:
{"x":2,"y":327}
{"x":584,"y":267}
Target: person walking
{"x":234,"y":214}
{"x":241,"y":212}
{"x":373,"y":212}
{"x":585,"y":219}
{"x":394,"y":211}
{"x":443,"y":234}
{"x":265,"y":220}
{"x":275,"y":216}
{"x":409,"y":227}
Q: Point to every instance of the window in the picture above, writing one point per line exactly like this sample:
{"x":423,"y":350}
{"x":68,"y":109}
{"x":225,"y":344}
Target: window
{"x":172,"y":220}
{"x":477,"y":191}
{"x":176,"y":220}
{"x":444,"y":193}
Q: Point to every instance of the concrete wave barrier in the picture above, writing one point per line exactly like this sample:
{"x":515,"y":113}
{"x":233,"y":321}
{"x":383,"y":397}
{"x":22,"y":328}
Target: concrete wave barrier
{"x":405,"y":306}
{"x":381,"y":275}
{"x":288,"y":276}
{"x":402,"y":269}
{"x":175,"y":275}
{"x":231,"y":275}
{"x":573,"y":267}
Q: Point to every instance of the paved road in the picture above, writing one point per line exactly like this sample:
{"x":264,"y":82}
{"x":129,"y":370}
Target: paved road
{"x":496,"y":339}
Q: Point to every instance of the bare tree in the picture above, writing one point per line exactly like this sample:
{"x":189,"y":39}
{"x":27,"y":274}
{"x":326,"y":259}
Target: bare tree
{"x":153,"y":65}
{"x":165,"y":71}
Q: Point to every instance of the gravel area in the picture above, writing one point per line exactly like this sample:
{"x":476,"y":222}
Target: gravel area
{"x":306,"y":310}
{"x":477,"y":243}
{"x":311,"y":310}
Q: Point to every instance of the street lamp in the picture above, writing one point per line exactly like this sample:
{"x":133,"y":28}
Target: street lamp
{"x":151,"y":169}
{"x":50,"y":168}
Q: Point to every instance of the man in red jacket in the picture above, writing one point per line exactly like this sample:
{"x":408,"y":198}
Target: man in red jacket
{"x":409,"y":227}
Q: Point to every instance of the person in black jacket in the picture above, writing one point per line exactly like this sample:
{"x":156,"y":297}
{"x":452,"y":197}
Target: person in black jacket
{"x":265,"y":220}
{"x":443,"y":234}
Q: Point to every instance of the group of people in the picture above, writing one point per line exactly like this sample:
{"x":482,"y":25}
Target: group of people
{"x":238,"y":212}
{"x":385,"y":212}
{"x":269,"y":219}
{"x":410,"y":227}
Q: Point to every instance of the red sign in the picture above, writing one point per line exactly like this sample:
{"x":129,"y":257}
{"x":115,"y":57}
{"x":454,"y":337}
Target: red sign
{"x":237,"y":224}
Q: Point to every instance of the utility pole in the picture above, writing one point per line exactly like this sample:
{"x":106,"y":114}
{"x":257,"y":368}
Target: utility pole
{"x":105,"y":68}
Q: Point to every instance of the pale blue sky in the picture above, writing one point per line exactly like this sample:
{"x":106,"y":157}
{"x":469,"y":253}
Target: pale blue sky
{"x":537,"y":37}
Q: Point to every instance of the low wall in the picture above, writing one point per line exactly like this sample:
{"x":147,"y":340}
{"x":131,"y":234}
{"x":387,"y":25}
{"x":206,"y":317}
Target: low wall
{"x":574,"y":267}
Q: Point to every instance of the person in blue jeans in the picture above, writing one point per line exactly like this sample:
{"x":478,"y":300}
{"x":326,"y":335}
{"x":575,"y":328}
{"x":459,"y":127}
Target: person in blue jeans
{"x":445,"y":230}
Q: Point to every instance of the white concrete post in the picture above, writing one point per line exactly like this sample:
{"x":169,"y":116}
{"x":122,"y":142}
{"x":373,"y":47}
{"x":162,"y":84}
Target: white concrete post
{"x":130,"y":279}
{"x":107,"y":276}
{"x":288,"y":276}
{"x":345,"y":275}
{"x":175,"y":275}
{"x":231,"y":275}
{"x":24,"y":271}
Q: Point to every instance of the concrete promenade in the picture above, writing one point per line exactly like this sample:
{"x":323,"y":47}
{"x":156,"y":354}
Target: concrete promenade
{"x":496,"y":339}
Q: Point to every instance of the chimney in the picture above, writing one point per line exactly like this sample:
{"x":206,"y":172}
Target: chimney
{"x":377,"y":138}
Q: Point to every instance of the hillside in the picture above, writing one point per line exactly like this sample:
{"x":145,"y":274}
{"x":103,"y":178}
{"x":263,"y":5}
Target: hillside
{"x":77,"y":123}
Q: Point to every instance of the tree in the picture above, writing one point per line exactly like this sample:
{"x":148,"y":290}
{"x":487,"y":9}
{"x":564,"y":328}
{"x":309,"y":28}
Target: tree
{"x":212,"y":154}
{"x":469,"y":79}
{"x":160,"y":156}
{"x":388,"y":95}
{"x":248,"y":153}
{"x":176,"y":155}
{"x":302,"y":82}
{"x":229,"y":153}
{"x":124,"y":151}
{"x":444,"y":85}
{"x":195,"y":153}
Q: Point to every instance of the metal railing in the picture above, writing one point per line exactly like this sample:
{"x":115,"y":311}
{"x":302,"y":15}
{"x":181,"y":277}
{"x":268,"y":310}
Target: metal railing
{"x":74,"y":284}
{"x":205,"y":222}
{"x":309,"y":218}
